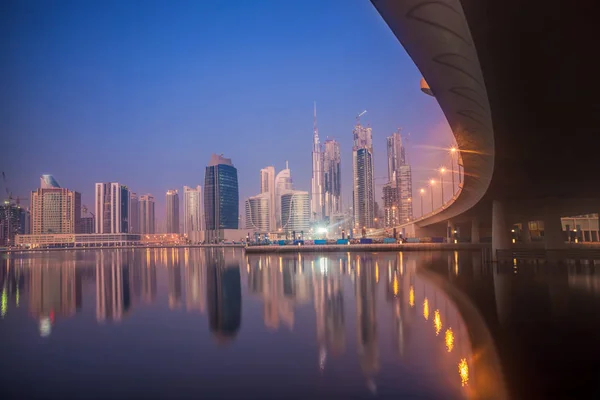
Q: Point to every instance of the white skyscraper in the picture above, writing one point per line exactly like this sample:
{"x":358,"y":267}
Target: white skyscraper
{"x":267,"y":185}
{"x":258,"y":211}
{"x":332,"y":178}
{"x":283,"y":184}
{"x":400,"y":179}
{"x":147,"y":224}
{"x":363,"y":192}
{"x":112,"y":206}
{"x":193,"y":216}
{"x":317,"y":192}
{"x":295,"y":212}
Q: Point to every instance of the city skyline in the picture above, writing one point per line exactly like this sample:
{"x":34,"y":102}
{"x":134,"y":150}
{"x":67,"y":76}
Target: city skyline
{"x":279,"y":126}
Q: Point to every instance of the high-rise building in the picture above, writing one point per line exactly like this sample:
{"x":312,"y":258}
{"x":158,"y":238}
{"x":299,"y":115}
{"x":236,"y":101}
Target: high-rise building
{"x":172,"y":211}
{"x":134,"y":213}
{"x":283,"y":184}
{"x":391,"y":209}
{"x":399,"y":178}
{"x":332,"y":178}
{"x":258,"y":213}
{"x":87,"y":225}
{"x":14,"y":220}
{"x":316,"y":195}
{"x":147,"y":224}
{"x":54,"y":209}
{"x":112,"y":208}
{"x":295,"y":212}
{"x":363,"y":192}
{"x":267,"y":185}
{"x":221,"y":197}
{"x":193,"y":217}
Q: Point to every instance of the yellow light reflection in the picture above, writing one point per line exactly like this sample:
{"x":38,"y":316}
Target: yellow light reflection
{"x":411,"y":296}
{"x":463,"y":371}
{"x":17,"y":297}
{"x":449,"y":340}
{"x":4,"y":303}
{"x":376,"y":273}
{"x":426,"y":308}
{"x":395,"y":285}
{"x":437,"y":322}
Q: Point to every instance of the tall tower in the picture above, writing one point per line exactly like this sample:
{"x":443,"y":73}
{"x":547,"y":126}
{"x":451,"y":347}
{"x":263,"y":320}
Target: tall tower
{"x":332,"y":178}
{"x":267,"y":185}
{"x":112,"y":204}
{"x":400,"y":180}
{"x":146,"y":204}
{"x":221,"y":197}
{"x":172,"y":211}
{"x":363,"y":192}
{"x":193,"y":220}
{"x":283,"y":184}
{"x":316,"y":195}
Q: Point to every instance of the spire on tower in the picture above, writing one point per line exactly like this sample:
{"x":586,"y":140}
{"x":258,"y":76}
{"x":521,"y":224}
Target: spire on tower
{"x":316,"y":146}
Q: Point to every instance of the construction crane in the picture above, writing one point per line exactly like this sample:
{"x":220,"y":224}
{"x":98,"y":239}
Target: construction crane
{"x":9,"y":196}
{"x":360,"y":115}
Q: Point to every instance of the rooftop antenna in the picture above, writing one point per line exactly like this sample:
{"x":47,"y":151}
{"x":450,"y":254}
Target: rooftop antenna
{"x":315,"y":129}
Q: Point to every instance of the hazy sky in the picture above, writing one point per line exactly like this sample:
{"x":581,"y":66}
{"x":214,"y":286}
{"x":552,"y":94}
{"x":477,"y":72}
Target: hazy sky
{"x":142,"y":92}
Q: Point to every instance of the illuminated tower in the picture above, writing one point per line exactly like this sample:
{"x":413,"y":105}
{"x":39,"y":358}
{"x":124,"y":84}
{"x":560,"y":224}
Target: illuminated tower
{"x":316,"y":195}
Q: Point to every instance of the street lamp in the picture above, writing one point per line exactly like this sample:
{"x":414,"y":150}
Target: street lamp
{"x":421,"y":192}
{"x":442,"y":170}
{"x":431,"y":182}
{"x":452,"y":152}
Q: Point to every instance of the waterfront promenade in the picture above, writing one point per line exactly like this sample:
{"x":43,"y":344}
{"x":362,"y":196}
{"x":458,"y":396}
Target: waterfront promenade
{"x":374,"y":247}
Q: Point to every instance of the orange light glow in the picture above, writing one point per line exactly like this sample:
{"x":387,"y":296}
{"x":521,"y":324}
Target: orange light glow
{"x":449,"y":339}
{"x":437,"y":322}
{"x":426,"y":309}
{"x":411,"y":296}
{"x":463,"y":371}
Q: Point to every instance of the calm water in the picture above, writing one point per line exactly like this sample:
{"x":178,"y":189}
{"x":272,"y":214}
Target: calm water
{"x":196,"y":323}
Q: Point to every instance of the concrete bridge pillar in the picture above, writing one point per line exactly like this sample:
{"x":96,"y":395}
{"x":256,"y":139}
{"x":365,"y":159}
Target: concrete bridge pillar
{"x":553,"y":233}
{"x":525,"y":234}
{"x":450,"y":232}
{"x":475,"y":230}
{"x":500,"y":232}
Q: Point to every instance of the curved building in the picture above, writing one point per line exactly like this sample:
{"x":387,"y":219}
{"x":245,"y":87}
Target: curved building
{"x":48,"y":182}
{"x":295,"y":211}
{"x":258,"y":213}
{"x":283,"y":183}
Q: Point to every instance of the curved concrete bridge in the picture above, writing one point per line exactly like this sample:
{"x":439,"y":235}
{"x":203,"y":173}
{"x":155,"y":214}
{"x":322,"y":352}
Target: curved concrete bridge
{"x":518,"y":83}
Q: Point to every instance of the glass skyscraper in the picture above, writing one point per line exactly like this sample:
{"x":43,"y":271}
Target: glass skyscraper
{"x":221,"y":197}
{"x":363,"y":192}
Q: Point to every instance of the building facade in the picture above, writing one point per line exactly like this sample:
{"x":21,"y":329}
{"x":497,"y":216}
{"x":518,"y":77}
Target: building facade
{"x":134,"y":213}
{"x":87,"y":225}
{"x":295,"y":212}
{"x":112,"y":208}
{"x":399,"y":178}
{"x":55,"y":210}
{"x":317,"y":187}
{"x":147,"y":224}
{"x":14,"y":220}
{"x":405,"y":196}
{"x":267,"y":185}
{"x":221,"y":197}
{"x":391,"y":209}
{"x":283,"y":184}
{"x":333,"y":178}
{"x":258,"y":212}
{"x":193,"y":219}
{"x":172,"y":211}
{"x":363,"y":193}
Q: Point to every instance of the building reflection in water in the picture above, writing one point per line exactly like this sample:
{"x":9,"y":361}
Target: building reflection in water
{"x":174,"y":273}
{"x":113,"y":288}
{"x":54,"y":292}
{"x":195,"y":280}
{"x":224,"y":294}
{"x":12,"y":283}
{"x":365,"y":287}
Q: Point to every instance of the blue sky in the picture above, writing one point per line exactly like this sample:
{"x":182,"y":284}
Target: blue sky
{"x":142,"y":92}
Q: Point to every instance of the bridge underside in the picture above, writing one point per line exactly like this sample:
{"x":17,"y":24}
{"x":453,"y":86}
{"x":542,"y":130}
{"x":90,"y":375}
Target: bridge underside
{"x":518,"y":82}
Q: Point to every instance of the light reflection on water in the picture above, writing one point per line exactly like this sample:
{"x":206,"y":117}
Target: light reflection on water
{"x":280,"y":326}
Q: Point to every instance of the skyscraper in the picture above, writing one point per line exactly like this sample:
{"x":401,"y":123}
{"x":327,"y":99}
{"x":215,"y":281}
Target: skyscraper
{"x":193,"y":220}
{"x":295,"y":211}
{"x":283,"y":184}
{"x":13,"y":220}
{"x":332,"y":178}
{"x":221,"y":197}
{"x":258,"y":213}
{"x":363,"y":192}
{"x":316,"y":195}
{"x":54,"y":209}
{"x":172,"y":211}
{"x":147,"y":214}
{"x":399,"y":178}
{"x":112,"y":208}
{"x":267,"y":185}
{"x":134,"y":213}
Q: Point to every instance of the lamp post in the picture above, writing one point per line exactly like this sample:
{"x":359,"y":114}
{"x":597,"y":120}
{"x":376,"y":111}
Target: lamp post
{"x":431,"y":182}
{"x":452,"y":151}
{"x":442,"y":170}
{"x":421,"y":192}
